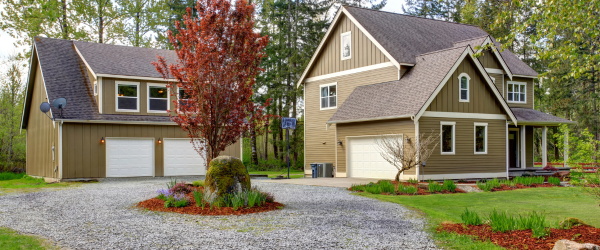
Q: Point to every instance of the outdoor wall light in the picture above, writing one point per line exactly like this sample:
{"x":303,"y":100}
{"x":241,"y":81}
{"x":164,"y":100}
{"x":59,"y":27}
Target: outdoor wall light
{"x":159,"y":141}
{"x":102,"y":140}
{"x":340,"y":142}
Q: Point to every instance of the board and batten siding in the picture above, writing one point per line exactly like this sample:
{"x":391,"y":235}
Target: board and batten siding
{"x":42,"y":134}
{"x":345,"y":131}
{"x":363,"y":51}
{"x":499,"y":82}
{"x":481,"y":97}
{"x":465,"y":161}
{"x":529,"y":90}
{"x":529,"y":146}
{"x":109,"y":95}
{"x":488,"y":60}
{"x":320,"y":143}
{"x":85,"y":156}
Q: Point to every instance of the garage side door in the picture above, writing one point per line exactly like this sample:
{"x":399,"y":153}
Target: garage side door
{"x":129,"y":157}
{"x":365,"y":161}
{"x":181,"y":158}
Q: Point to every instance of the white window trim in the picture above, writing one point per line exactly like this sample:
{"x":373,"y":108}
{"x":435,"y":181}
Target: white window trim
{"x":148,"y":85}
{"x":95,"y":88}
{"x":460,"y":87}
{"x":516,"y":83}
{"x":453,"y":138}
{"x":117,"y":83}
{"x":179,"y":98}
{"x":342,"y":45}
{"x":485,"y":138}
{"x":336,"y":91}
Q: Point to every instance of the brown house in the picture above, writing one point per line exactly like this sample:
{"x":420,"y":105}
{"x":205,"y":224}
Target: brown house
{"x":380,"y":73}
{"x":115,"y":123}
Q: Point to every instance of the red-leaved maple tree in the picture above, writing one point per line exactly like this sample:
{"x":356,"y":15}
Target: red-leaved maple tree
{"x":219,"y":54}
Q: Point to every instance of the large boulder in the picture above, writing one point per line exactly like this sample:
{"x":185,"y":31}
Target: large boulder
{"x":572,"y":245}
{"x":226,"y":175}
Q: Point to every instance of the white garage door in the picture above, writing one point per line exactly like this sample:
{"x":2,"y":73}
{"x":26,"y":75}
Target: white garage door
{"x":182,"y":159}
{"x":366,"y":162}
{"x":129,"y":157}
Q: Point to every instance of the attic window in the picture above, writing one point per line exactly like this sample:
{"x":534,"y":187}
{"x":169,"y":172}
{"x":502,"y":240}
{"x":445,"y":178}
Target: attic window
{"x":95,"y":88}
{"x":128,"y":96}
{"x":346,"y":46}
{"x":463,"y":80}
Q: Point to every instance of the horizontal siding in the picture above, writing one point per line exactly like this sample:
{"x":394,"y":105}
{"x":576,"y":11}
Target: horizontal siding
{"x":530,"y":90}
{"x":85,"y":156}
{"x":319,"y":141}
{"x":465,"y":160}
{"x":397,"y":126}
{"x":481,"y":96}
{"x":109,"y":95}
{"x":363,"y":51}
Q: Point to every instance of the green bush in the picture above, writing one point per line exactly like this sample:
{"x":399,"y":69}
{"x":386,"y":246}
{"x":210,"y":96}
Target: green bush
{"x":5,"y":176}
{"x":199,"y":198}
{"x":528,"y":181}
{"x":357,"y":187}
{"x":412,"y":181}
{"x":502,"y":222}
{"x":407,"y":189}
{"x":488,"y":185}
{"x":507,"y":182}
{"x":373,"y":188}
{"x":449,"y":185}
{"x":387,"y":187}
{"x":198,"y":183}
{"x":435,"y":187}
{"x":554,"y":181}
{"x":470,"y":218}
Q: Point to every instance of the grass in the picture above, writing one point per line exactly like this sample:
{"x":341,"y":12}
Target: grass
{"x":5,"y":176}
{"x":557,"y":203}
{"x":11,"y":240}
{"x":28,"y":184}
{"x":272,"y":174}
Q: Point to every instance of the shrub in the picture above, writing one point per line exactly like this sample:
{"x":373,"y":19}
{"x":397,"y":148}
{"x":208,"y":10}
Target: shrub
{"x":176,"y":200}
{"x":435,"y":187}
{"x":470,"y":218}
{"x":198,"y":183}
{"x":357,"y":187}
{"x":407,"y":189}
{"x":5,"y":176}
{"x":373,"y":188}
{"x":199,"y":198}
{"x":507,"y":182}
{"x":539,"y":179}
{"x":181,"y":188}
{"x":171,"y":183}
{"x":413,"y":181}
{"x":501,"y":222}
{"x":387,"y":187}
{"x":449,"y":185}
{"x":554,"y":181}
{"x":488,"y":185}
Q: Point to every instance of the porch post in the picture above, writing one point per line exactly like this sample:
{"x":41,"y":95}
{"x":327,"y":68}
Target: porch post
{"x":566,"y":153}
{"x":523,"y":147}
{"x":544,"y":146}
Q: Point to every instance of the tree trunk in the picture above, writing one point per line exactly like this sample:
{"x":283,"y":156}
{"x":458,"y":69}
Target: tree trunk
{"x":254,"y":159}
{"x":137,"y":29}
{"x":398,"y":177}
{"x":281,"y":155}
{"x":100,"y":22}
{"x":266,"y":141}
{"x":65,"y":29}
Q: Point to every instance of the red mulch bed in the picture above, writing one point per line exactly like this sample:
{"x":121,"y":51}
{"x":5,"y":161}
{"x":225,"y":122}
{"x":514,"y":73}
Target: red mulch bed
{"x":421,"y":190}
{"x":158,"y":205}
{"x":522,"y":239}
{"x":519,"y":186}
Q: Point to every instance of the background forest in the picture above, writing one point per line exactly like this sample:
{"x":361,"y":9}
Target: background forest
{"x":556,"y":38}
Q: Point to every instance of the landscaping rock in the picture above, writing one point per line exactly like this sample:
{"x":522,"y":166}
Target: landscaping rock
{"x":572,"y":245}
{"x":226,"y":175}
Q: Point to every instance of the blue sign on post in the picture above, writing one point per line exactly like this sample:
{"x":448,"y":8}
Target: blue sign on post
{"x":288,"y":122}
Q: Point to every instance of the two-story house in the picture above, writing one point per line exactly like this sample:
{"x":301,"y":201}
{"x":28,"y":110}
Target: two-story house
{"x":378,"y":73}
{"x":115,"y":122}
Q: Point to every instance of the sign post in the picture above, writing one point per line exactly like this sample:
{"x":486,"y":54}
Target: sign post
{"x":288,"y":123}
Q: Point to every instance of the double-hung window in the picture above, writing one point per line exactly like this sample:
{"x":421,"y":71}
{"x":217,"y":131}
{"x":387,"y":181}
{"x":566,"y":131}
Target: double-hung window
{"x":329,"y":96}
{"x":128,"y":96}
{"x":517,"y":92}
{"x":447,"y":137}
{"x":481,"y":138}
{"x":182,"y":100}
{"x":463,"y":80}
{"x":158,"y":98}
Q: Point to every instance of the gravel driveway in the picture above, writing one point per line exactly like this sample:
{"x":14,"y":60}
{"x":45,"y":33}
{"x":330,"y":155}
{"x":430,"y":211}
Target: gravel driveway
{"x":100,"y":216}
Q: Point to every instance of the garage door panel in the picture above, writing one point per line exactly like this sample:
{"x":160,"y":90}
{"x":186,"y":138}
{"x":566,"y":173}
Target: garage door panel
{"x":182,"y":159}
{"x":365,"y":161}
{"x":129,"y":157}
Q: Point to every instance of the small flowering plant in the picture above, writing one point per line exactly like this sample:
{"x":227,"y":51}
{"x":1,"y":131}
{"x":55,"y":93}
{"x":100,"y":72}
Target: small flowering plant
{"x":181,"y":187}
{"x":163,"y":194}
{"x":177,"y":200}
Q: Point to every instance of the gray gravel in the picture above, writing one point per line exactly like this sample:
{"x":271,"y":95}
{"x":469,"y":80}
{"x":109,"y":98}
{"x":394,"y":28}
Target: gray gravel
{"x":101,"y":216}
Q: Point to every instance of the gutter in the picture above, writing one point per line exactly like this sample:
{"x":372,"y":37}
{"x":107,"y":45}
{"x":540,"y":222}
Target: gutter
{"x":116,"y":122}
{"x":371,"y":119}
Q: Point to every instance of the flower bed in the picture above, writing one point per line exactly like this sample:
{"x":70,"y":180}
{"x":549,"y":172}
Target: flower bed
{"x":518,"y":183}
{"x":523,"y":239}
{"x":189,"y":199}
{"x":407,"y":188}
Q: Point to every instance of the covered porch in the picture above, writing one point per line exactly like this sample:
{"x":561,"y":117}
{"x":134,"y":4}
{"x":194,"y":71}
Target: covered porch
{"x":520,"y":140}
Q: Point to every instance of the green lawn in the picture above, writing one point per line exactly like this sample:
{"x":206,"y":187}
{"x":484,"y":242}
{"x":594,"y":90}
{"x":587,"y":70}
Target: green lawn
{"x":28,"y":184}
{"x":272,"y":174}
{"x":557,"y":204}
{"x":11,"y":240}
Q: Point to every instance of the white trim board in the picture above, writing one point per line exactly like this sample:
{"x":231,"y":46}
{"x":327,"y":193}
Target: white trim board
{"x":371,"y":119}
{"x":488,"y":40}
{"x":148,"y":85}
{"x":136,"y":77}
{"x":138,"y":92}
{"x":349,"y":72}
{"x":468,"y":51}
{"x":84,"y":61}
{"x":333,"y":24}
{"x":494,"y":71}
{"x":464,"y":115}
{"x":117,"y":122}
{"x":524,"y":76}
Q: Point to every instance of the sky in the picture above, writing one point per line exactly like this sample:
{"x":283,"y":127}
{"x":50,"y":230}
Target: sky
{"x":7,"y":48}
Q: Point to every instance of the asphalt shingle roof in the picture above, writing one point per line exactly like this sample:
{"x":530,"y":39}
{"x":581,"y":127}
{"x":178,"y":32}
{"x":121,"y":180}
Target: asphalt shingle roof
{"x":405,"y":37}
{"x":532,"y":115}
{"x":403,"y":97}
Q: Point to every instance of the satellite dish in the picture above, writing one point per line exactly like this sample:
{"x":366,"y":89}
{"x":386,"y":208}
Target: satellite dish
{"x":59,"y":103}
{"x":45,"y":107}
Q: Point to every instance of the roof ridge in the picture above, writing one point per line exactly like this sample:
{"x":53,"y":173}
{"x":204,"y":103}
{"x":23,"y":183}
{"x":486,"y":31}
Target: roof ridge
{"x":470,"y":39}
{"x":406,"y":15}
{"x":108,"y":44}
{"x":442,"y":50}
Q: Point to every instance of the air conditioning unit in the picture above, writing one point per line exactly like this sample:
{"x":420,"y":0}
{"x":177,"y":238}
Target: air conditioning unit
{"x":324,"y":170}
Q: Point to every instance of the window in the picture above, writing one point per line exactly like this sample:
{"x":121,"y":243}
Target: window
{"x":447,"y":136}
{"x":329,"y":96}
{"x":464,"y":80}
{"x":128,"y":96}
{"x":183,"y":98}
{"x":481,"y":138}
{"x":517,"y":92}
{"x":95,"y":88}
{"x":346,"y":46}
{"x":158,"y":98}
